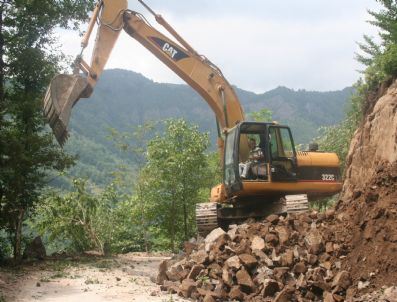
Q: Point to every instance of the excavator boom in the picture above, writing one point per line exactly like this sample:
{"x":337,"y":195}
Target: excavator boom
{"x":65,"y":90}
{"x":112,"y":16}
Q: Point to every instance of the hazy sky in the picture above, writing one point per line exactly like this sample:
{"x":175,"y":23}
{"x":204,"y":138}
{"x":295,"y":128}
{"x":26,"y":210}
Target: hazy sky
{"x":258,"y":44}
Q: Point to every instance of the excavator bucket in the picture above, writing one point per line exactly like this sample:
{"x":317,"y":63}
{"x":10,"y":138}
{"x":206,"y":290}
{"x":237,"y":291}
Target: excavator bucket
{"x":62,"y":94}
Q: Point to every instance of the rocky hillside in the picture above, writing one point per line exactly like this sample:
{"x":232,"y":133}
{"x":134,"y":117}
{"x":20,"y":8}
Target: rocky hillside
{"x":369,"y":197}
{"x":345,"y":254}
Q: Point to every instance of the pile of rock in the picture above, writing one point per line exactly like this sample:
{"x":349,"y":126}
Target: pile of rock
{"x":293,"y":258}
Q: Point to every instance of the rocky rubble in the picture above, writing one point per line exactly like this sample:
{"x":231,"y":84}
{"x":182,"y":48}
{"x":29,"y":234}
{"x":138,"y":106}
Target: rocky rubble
{"x":292,"y":258}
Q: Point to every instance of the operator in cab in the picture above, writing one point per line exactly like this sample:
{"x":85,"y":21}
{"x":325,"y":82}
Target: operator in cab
{"x":255,"y":156}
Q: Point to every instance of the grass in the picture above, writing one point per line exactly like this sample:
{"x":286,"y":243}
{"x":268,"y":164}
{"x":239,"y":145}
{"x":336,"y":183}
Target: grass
{"x":59,"y":274}
{"x":61,"y":265}
{"x":203,"y":279}
{"x":45,"y":279}
{"x":105,"y":264}
{"x":92,"y":281}
{"x":171,"y":299}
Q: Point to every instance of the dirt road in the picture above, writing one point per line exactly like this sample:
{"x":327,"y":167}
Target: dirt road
{"x":121,"y":278}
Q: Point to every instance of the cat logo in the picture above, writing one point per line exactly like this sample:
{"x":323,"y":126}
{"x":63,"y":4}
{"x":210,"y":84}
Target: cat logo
{"x":167,"y":48}
{"x":173,"y":51}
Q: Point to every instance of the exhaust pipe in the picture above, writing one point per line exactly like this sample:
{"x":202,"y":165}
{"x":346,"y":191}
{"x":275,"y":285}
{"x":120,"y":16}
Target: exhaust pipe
{"x":62,"y":94}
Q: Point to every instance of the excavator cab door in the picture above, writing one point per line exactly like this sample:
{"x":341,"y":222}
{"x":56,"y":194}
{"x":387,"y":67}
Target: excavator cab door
{"x":282,"y":153}
{"x":231,"y":176}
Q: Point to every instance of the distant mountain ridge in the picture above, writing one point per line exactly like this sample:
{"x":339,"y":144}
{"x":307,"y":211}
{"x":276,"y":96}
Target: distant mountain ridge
{"x":123,"y":98}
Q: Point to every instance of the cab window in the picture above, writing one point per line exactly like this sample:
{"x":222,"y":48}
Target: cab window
{"x":281,"y":145}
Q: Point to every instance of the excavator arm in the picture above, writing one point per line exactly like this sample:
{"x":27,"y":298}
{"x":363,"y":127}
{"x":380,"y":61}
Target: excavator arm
{"x":196,"y":70}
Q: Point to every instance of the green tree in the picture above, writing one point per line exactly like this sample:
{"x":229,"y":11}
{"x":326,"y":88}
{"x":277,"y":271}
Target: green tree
{"x":380,"y":61}
{"x":380,"y":58}
{"x":108,"y":221}
{"x":336,"y":138}
{"x":28,"y":60}
{"x":172,"y":178}
{"x":134,"y":144}
{"x":262,"y":115}
{"x":81,"y":218}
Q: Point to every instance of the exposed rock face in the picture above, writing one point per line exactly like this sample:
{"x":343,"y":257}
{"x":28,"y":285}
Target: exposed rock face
{"x":373,"y":144}
{"x":367,"y":212}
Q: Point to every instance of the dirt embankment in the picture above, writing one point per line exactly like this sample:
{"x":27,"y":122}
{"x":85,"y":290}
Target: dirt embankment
{"x":369,"y":196}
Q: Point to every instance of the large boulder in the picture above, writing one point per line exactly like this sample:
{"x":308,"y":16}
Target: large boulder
{"x":35,"y":249}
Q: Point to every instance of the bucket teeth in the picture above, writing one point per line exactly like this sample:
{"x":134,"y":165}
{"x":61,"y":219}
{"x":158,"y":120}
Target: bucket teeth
{"x":62,"y":94}
{"x":60,"y":132}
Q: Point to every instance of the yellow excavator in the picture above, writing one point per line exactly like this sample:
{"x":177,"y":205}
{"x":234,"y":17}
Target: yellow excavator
{"x":281,"y":180}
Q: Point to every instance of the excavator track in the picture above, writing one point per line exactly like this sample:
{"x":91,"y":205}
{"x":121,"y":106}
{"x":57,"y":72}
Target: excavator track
{"x":211,"y":215}
{"x":206,"y":217}
{"x":296,"y":203}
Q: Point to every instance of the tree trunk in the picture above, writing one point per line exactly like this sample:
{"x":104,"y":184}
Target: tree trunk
{"x":173,"y":226}
{"x":1,"y":65}
{"x":143,"y":218}
{"x":2,"y":105}
{"x":18,"y":235}
{"x":185,"y":218}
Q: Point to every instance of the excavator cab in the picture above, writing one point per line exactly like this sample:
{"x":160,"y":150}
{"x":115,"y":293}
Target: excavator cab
{"x":278,"y":160}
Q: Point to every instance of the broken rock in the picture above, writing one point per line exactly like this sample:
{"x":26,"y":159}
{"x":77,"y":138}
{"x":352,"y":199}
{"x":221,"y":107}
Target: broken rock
{"x":187,"y":287}
{"x":236,"y":293}
{"x":227,"y":277}
{"x":233,"y":262}
{"x":244,"y":279}
{"x":283,"y":234}
{"x":285,"y":295}
{"x":342,"y":279}
{"x":170,"y":286}
{"x":300,"y":268}
{"x":176,"y":272}
{"x":195,"y":271}
{"x":248,"y":260}
{"x":271,"y":238}
{"x":257,"y":243}
{"x":272,"y":218}
{"x":270,"y":287}
{"x":208,"y":298}
{"x":327,"y":296}
{"x":199,"y":257}
{"x":287,"y":259}
{"x":162,"y":276}
{"x":314,"y":242}
{"x":212,"y":237}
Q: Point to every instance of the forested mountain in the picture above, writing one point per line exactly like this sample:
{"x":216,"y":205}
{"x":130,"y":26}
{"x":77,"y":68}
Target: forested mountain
{"x":123,"y":98}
